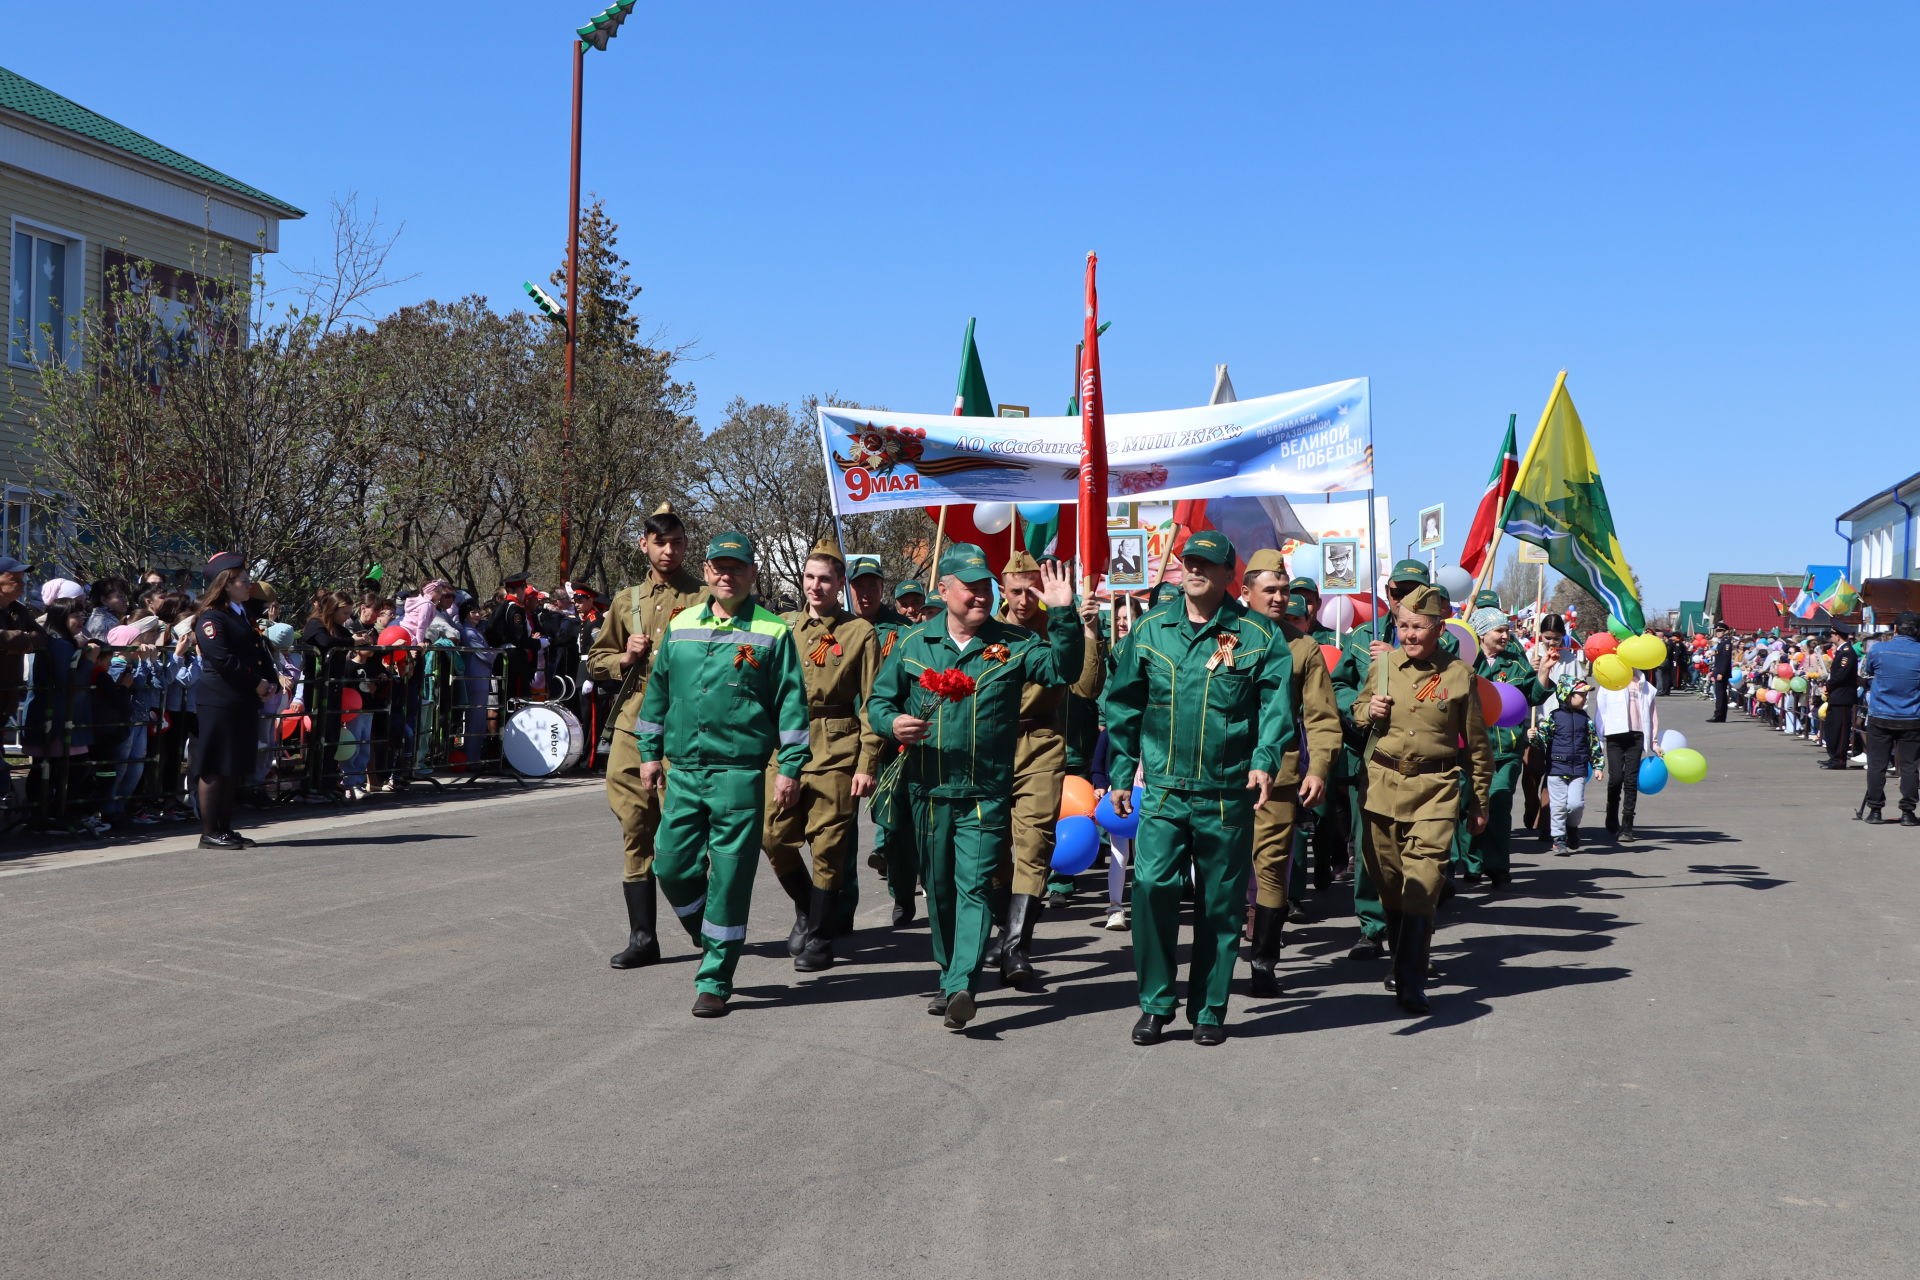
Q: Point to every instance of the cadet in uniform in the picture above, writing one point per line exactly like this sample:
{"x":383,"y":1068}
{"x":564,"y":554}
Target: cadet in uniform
{"x":1199,"y":696}
{"x":959,"y":770}
{"x":1490,"y":851}
{"x":893,"y":853}
{"x":621,"y":655}
{"x":725,"y":696}
{"x":1310,"y":695}
{"x":838,"y":657}
{"x":1419,"y":704}
{"x":1039,"y":768}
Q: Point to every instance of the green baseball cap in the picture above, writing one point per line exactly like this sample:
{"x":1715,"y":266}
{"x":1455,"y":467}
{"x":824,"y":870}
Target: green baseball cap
{"x":859,"y":565}
{"x":1410,"y":571}
{"x":1487,"y":600}
{"x":731,"y":545}
{"x":1297,"y":608}
{"x":966,"y":562}
{"x":909,"y":589}
{"x":1303,"y":584}
{"x":1210,"y":545}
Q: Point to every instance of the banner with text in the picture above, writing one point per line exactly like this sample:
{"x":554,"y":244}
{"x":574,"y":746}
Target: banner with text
{"x":1318,"y":440}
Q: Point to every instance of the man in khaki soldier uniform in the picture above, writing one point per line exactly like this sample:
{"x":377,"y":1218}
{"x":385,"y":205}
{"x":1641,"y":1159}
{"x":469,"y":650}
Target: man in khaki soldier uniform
{"x":1311,"y":694}
{"x":622,"y":655}
{"x":1420,"y":707}
{"x":839,"y":654}
{"x":1039,"y":767}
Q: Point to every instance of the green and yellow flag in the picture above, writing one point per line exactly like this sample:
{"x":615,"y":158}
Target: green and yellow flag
{"x":1840,"y":598}
{"x":1559,"y":504}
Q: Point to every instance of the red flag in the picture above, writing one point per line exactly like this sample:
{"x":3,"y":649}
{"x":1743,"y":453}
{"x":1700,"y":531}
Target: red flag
{"x":1486,"y":518}
{"x":1093,"y":444}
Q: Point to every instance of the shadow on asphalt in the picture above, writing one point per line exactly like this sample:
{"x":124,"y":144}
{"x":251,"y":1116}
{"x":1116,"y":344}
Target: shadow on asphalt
{"x":268,"y":842}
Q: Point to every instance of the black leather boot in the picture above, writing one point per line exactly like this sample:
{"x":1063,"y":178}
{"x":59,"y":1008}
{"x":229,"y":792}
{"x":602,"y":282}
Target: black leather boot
{"x":1267,"y":925}
{"x":1015,"y":969}
{"x":1410,"y":963}
{"x":996,"y":945}
{"x":816,"y":949}
{"x":1392,"y":939}
{"x":799,"y":887}
{"x":643,"y":945}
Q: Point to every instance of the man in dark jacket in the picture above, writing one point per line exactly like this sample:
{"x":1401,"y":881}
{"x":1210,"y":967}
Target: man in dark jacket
{"x":1721,"y":671}
{"x":1843,"y":693}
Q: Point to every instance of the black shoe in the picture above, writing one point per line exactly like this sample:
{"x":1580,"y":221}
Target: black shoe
{"x":799,"y":888}
{"x":960,"y":1010}
{"x":1056,"y":900}
{"x":1471,"y":879}
{"x":1267,"y":926}
{"x":1015,"y":969}
{"x":1295,"y":912}
{"x":1410,"y":964}
{"x":221,"y":840}
{"x":643,"y":946}
{"x":1209,"y":1033}
{"x":1149,"y":1029}
{"x":938,"y":1005}
{"x":1499,"y":879}
{"x":1366,"y":949}
{"x":816,"y":948}
{"x":1873,"y":820}
{"x":709,"y":1006}
{"x":245,"y":843}
{"x":902,"y":913}
{"x":1908,"y":820}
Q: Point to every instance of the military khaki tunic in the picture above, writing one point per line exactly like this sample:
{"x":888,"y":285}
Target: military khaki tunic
{"x":642,"y":610}
{"x":1040,"y":765}
{"x":1311,"y":693}
{"x":1415,"y":772}
{"x":839,"y":655}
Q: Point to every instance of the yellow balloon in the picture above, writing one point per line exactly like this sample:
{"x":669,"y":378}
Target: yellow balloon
{"x":1686,"y":765}
{"x":1644,"y":652}
{"x":1611,"y":672}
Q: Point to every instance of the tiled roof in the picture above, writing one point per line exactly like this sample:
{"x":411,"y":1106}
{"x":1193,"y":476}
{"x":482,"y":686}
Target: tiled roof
{"x":17,"y":93}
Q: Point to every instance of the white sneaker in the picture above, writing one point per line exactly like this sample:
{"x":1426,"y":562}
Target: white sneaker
{"x":1116,"y":922}
{"x":1859,"y":759}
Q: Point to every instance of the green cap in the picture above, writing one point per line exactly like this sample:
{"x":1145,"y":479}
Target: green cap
{"x":966,"y":562}
{"x":1303,"y":584}
{"x":858,"y":565}
{"x":909,"y":589}
{"x":731,"y":545}
{"x":1210,"y":545}
{"x":1297,"y":608}
{"x":1410,"y":571}
{"x":1487,"y":600}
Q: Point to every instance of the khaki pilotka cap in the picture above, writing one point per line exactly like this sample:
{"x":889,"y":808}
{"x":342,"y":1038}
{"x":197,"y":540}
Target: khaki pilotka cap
{"x":1266,"y":561}
{"x":1428,"y":601}
{"x":828,"y":549}
{"x":1021,"y":562}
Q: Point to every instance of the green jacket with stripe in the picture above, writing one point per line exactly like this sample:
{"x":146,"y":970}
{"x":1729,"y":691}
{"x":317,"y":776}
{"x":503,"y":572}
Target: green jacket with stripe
{"x":968,"y":750}
{"x":725,"y":693}
{"x":1195,"y":726}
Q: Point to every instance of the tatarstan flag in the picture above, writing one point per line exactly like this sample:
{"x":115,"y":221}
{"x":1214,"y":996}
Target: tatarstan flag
{"x":1486,"y":517}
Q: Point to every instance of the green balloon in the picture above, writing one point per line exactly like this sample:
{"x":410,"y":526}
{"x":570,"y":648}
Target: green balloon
{"x":348,"y":744}
{"x":1798,"y":684}
{"x":1686,"y":765}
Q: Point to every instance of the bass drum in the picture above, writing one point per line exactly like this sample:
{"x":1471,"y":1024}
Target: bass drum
{"x":542,"y":740}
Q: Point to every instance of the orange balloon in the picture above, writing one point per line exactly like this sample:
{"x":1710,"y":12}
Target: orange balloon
{"x":1489,"y":700}
{"x":1076,"y":798}
{"x":1331,"y":655}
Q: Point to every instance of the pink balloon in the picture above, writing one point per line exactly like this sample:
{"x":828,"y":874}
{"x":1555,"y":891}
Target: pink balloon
{"x":1338,"y":612}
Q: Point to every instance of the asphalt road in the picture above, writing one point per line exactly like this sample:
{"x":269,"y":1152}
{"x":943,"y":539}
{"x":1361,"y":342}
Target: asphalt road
{"x":389,"y":1045}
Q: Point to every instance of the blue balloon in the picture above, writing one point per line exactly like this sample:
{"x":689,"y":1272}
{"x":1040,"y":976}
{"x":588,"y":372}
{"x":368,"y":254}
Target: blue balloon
{"x":1115,"y":824}
{"x":1653,"y":776}
{"x":1039,"y":512}
{"x":1076,"y":843}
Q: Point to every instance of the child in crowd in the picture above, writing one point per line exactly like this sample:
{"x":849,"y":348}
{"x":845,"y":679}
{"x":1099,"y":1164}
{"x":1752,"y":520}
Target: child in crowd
{"x":1572,"y":749}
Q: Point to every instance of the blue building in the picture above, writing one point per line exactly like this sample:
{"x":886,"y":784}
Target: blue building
{"x":1881,"y":533}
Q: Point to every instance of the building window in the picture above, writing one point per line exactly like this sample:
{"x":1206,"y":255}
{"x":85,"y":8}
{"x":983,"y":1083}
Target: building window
{"x":44,"y":285}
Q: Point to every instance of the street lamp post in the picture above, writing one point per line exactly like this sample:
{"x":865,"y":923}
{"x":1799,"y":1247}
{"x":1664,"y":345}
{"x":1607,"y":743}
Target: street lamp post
{"x":600,"y":29}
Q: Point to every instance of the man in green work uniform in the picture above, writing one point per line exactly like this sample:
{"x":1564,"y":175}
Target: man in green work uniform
{"x":959,"y":770}
{"x":1420,"y":706}
{"x":725,"y":697}
{"x":911,"y":599}
{"x":1198,"y":695}
{"x":621,"y":655}
{"x":1489,"y":852}
{"x":893,"y":854}
{"x":1039,"y":768}
{"x":1309,"y":592}
{"x":1310,"y":695}
{"x":1364,"y":645}
{"x":839,"y":655}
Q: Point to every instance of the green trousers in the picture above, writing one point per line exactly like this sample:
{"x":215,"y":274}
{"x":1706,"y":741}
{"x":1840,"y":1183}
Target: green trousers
{"x":705,"y":856}
{"x":1209,"y":833}
{"x":1366,"y":894}
{"x":1492,"y":849}
{"x":963,"y":841}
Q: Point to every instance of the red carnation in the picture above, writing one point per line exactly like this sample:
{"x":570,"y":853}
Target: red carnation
{"x":951,"y":684}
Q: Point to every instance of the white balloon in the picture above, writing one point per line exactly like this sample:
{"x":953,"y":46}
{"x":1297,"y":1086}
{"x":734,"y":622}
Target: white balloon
{"x":1673,"y":740}
{"x":1337,"y":612}
{"x":1456,"y":582}
{"x":993,"y":517}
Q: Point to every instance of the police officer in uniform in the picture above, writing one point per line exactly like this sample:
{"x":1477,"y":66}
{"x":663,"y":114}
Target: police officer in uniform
{"x":1199,"y":696}
{"x":1843,"y":693}
{"x":1039,"y":768}
{"x":839,"y":655}
{"x":1310,"y":695}
{"x":621,"y":655}
{"x":725,"y":695}
{"x":1721,"y":671}
{"x":1419,"y":704}
{"x":236,"y":676}
{"x":893,"y":853}
{"x":959,"y":767}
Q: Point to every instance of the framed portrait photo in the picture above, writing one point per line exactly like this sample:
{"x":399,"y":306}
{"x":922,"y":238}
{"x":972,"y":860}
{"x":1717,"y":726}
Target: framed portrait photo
{"x":1339,"y":565}
{"x":1127,"y":560}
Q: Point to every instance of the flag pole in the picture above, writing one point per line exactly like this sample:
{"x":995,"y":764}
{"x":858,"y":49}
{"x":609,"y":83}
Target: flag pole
{"x":939,"y":532}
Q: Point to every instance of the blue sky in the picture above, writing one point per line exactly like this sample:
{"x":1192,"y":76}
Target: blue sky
{"x":1705,"y":212}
